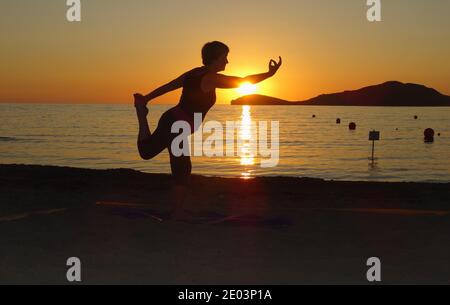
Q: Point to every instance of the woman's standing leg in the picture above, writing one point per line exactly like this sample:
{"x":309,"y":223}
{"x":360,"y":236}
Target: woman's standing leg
{"x":181,"y":171}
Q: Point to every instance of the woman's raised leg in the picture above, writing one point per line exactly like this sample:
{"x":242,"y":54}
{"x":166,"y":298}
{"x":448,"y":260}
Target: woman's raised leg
{"x":141,"y":111}
{"x":149,"y":145}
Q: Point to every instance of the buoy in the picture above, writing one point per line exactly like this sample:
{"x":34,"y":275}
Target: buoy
{"x":314,"y":116}
{"x":352,"y":126}
{"x":415,"y":117}
{"x":396,"y":128}
{"x":439,"y":134}
{"x":428,"y":135}
{"x":338,"y":121}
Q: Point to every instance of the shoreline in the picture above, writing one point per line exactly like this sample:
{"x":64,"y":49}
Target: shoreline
{"x":42,"y":166}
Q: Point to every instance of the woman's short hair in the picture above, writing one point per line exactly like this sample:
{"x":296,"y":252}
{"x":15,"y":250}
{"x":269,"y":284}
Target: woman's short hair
{"x":212,"y":51}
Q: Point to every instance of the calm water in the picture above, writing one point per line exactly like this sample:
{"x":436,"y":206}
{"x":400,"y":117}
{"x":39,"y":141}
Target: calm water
{"x":104,"y":136}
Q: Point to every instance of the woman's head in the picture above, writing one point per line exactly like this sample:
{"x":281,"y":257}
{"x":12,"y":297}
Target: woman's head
{"x":214,"y":55}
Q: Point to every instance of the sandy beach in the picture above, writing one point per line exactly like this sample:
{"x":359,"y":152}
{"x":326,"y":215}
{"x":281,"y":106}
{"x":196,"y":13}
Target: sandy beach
{"x":295,"y":230}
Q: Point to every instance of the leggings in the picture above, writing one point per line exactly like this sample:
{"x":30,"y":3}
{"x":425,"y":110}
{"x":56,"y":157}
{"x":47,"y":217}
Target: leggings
{"x":161,"y":139}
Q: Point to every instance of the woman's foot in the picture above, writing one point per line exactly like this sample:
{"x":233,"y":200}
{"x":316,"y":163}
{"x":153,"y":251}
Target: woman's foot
{"x":140,"y":103}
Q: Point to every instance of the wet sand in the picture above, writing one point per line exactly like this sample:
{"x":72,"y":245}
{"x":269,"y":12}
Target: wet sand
{"x":48,"y":214}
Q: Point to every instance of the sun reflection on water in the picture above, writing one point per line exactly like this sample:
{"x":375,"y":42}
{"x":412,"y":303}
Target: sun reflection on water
{"x":247,"y":157}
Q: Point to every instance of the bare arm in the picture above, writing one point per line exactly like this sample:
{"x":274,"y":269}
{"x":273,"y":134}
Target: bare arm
{"x":171,"y":86}
{"x":225,"y":81}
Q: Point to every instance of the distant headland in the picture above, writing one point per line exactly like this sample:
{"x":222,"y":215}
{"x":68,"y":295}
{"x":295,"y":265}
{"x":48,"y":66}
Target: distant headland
{"x":392,"y":93}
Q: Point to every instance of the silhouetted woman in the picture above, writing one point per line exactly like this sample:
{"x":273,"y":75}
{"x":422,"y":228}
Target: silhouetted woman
{"x":198,"y":96}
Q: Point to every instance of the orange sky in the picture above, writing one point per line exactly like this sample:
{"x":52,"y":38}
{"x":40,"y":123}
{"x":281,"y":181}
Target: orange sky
{"x":121,"y":47}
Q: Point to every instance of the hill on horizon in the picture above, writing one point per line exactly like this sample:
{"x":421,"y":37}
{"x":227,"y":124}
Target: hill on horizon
{"x":391,"y":93}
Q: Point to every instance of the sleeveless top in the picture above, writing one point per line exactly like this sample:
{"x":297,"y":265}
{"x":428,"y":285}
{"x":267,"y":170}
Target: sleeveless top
{"x":193,"y":99}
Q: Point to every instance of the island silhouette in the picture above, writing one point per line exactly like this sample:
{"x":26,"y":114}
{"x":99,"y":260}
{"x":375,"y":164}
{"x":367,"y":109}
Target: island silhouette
{"x":391,"y":93}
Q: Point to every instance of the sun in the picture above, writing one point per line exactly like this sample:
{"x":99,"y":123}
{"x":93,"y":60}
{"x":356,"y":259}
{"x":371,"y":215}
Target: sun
{"x":247,"y":89}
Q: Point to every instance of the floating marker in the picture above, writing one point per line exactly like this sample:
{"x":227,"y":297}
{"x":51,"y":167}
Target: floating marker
{"x":338,"y":121}
{"x":313,"y":115}
{"x":428,"y":135}
{"x":352,"y":126}
{"x":415,"y":117}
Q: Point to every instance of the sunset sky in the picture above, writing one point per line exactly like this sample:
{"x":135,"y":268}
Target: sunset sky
{"x":121,"y":47}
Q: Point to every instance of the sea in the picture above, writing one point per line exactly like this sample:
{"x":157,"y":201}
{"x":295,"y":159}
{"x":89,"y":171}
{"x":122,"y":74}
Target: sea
{"x":310,"y":141}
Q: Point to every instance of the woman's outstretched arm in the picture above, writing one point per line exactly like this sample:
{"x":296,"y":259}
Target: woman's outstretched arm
{"x":224,"y":81}
{"x":173,"y":85}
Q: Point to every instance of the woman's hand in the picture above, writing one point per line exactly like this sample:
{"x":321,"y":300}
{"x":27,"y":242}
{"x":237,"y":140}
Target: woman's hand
{"x":274,"y":66}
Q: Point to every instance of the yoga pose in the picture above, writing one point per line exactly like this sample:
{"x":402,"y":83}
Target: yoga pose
{"x":198,"y":96}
